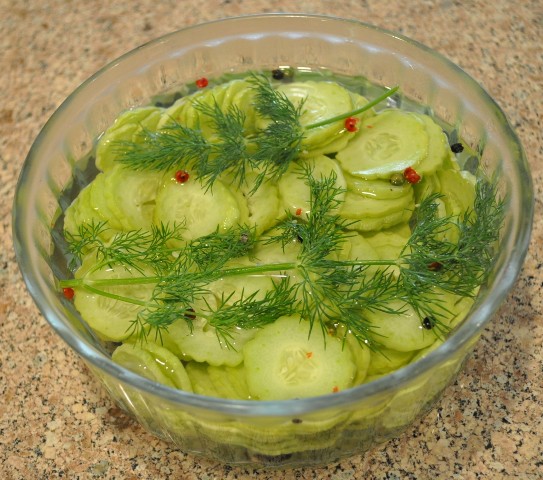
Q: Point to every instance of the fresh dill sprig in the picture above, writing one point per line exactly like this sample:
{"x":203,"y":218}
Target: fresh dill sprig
{"x":229,"y":147}
{"x":430,"y":264}
{"x":213,"y":251}
{"x":228,"y":151}
{"x":281,"y":140}
{"x":463,"y":265}
{"x":319,"y":286}
{"x":250,"y":311}
{"x":173,"y":146}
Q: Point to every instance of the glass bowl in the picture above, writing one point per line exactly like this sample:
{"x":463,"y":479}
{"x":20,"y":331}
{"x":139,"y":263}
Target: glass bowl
{"x":311,"y":431}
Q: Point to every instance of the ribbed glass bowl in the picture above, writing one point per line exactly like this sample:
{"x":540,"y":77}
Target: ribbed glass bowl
{"x":273,"y":433}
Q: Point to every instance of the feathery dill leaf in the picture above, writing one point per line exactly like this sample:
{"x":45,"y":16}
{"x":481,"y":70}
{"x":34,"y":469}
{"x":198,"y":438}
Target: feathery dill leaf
{"x":173,"y":146}
{"x":324,"y":289}
{"x":464,"y":264}
{"x":228,"y":150}
{"x":250,"y":311}
{"x":281,"y":140}
{"x":213,"y":251}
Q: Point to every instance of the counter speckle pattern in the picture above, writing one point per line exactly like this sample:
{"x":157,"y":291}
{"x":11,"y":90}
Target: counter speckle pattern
{"x":57,"y":422}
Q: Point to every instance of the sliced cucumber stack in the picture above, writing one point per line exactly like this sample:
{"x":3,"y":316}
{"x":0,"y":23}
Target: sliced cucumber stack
{"x":153,"y":362}
{"x":403,"y":332}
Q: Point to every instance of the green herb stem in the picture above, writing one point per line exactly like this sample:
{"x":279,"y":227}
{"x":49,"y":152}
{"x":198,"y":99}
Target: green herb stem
{"x":114,"y":296}
{"x":357,"y":111}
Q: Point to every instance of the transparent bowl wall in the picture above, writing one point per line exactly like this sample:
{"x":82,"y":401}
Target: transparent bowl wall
{"x":287,"y":433}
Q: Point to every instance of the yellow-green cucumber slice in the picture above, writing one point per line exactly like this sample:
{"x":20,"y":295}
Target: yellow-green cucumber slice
{"x":131,"y":196}
{"x":153,"y":362}
{"x":400,"y":331}
{"x":386,"y":143}
{"x":202,"y":344}
{"x":376,"y":214}
{"x":283,"y":361}
{"x":202,"y":211}
{"x":111,"y":318}
{"x":321,"y":100}
{"x":128,"y":127}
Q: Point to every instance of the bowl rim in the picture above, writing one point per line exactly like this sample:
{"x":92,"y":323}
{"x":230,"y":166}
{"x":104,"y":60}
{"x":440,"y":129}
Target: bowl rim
{"x":471,"y":326}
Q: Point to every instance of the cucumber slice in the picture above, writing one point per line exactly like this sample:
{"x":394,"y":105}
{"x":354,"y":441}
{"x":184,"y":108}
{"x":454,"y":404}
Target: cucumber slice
{"x":80,"y":212}
{"x":377,"y":189}
{"x":284,"y":362}
{"x":229,"y":382}
{"x":170,"y":364}
{"x":387,"y":360}
{"x":389,"y":243}
{"x":275,"y":252}
{"x":438,"y":147}
{"x":128,"y":127}
{"x":199,"y":378}
{"x":386,"y":143}
{"x":359,"y":249}
{"x":361,"y":357}
{"x":294,"y":190}
{"x":428,"y":185}
{"x":458,"y":191}
{"x":142,"y":362}
{"x":358,"y":207}
{"x":154,"y":362}
{"x":131,"y":196}
{"x":111,"y":318}
{"x":87,"y":209}
{"x":236,"y":93}
{"x":263,"y":204}
{"x":100,"y":204}
{"x":201,"y":211}
{"x":202,"y":343}
{"x":321,"y":101}
{"x":375,"y":214}
{"x":403,"y":332}
{"x":366,"y":225}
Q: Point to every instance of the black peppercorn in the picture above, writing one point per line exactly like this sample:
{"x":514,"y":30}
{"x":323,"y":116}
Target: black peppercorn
{"x":278,"y":74}
{"x":457,"y":147}
{"x":427,"y":323}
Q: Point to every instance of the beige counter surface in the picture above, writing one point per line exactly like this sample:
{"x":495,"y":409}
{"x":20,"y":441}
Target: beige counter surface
{"x":55,"y":419}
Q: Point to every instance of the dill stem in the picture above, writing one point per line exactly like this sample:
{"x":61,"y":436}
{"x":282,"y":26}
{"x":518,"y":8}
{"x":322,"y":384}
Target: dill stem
{"x":227,"y":272}
{"x":366,"y":107}
{"x":87,"y":283}
{"x":114,"y":296}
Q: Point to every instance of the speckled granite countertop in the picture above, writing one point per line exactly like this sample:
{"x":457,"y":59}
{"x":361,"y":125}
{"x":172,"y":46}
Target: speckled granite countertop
{"x":56,"y":421}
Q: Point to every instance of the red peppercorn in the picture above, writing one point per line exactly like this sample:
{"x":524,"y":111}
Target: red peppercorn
{"x":435,"y":266}
{"x":411,"y":175}
{"x":202,"y":82}
{"x":181,"y":176}
{"x":298,"y":211}
{"x":68,"y":292}
{"x":350,"y":124}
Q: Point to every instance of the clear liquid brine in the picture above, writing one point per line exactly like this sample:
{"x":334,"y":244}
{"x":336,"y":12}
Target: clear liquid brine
{"x":276,"y":235}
